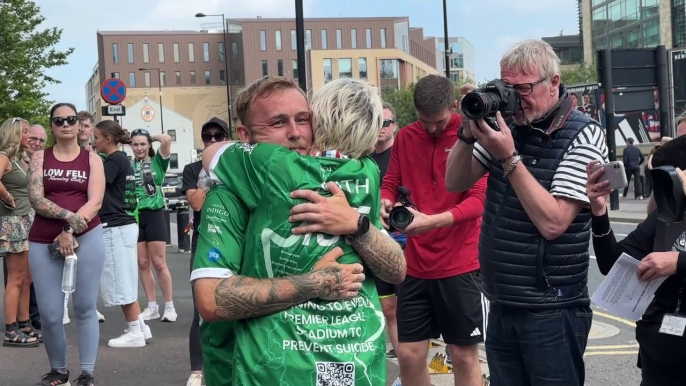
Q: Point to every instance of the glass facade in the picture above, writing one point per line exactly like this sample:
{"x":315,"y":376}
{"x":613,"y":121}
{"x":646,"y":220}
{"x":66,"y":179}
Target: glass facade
{"x":390,"y":74}
{"x":623,"y":24}
{"x":679,"y":23}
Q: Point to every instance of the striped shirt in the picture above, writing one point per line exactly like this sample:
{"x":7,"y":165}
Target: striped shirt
{"x":570,"y":177}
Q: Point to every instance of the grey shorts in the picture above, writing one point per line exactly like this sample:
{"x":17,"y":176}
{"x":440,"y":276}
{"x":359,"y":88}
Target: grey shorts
{"x":119,"y":281}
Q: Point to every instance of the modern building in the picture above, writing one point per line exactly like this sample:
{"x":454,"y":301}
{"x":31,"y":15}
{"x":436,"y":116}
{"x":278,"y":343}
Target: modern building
{"x":568,"y":48}
{"x":461,"y":58}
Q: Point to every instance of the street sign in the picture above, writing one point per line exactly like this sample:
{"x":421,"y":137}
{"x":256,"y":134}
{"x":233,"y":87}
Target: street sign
{"x":113,"y":91}
{"x":113,"y":110}
{"x":630,"y":67}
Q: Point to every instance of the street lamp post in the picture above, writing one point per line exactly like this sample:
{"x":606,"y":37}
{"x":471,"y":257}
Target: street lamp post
{"x":445,"y":36}
{"x":159,"y":84}
{"x":226,"y":67}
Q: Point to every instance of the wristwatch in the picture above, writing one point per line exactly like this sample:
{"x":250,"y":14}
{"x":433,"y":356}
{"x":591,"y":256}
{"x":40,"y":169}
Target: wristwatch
{"x":465,"y":139}
{"x":67,"y":228}
{"x":362,"y":227}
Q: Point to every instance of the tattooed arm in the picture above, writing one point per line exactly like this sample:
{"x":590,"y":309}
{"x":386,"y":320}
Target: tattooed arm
{"x":383,"y":255}
{"x":241,"y":297}
{"x":42,"y":205}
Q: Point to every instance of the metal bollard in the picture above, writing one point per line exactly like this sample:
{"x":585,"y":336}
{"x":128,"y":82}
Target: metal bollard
{"x":182,"y":218}
{"x":167,"y":224}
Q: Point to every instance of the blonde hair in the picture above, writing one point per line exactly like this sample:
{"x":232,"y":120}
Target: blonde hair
{"x":261,"y":88}
{"x":347,"y":115}
{"x":10,"y":138}
{"x":532,"y":55}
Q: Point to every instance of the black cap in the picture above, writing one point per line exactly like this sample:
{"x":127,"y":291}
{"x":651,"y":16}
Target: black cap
{"x":216,"y":122}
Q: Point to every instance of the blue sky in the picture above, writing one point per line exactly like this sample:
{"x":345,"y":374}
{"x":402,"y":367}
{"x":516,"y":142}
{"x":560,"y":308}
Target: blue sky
{"x":492,"y":26}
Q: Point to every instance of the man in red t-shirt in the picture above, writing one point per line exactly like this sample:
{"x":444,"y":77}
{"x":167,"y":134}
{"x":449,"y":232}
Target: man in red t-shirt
{"x":439,"y":295}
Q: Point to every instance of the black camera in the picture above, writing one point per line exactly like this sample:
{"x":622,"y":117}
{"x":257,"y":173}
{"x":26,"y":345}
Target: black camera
{"x":484,"y":103}
{"x":400,"y":217}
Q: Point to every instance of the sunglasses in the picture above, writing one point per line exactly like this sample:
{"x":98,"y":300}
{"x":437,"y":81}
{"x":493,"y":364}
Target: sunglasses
{"x":207,"y":137}
{"x":388,"y":122}
{"x":140,"y":132}
{"x":59,"y":121}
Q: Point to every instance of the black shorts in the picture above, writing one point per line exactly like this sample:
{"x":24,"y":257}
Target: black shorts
{"x":452,"y":307}
{"x":151,"y":226}
{"x":386,"y":289}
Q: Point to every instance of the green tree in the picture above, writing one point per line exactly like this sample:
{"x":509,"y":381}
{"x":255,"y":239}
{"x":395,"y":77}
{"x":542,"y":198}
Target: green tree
{"x":26,"y":52}
{"x":402,"y":101}
{"x":580,"y":74}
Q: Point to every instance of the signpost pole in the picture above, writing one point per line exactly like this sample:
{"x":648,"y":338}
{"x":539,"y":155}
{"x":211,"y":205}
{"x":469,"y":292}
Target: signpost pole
{"x":610,"y":118}
{"x":663,"y":92}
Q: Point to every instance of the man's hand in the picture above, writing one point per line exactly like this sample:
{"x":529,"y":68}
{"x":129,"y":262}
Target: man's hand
{"x":341,"y":281}
{"x":420,"y":224}
{"x":386,"y":207}
{"x":332,"y":215}
{"x":499,"y":143}
{"x":658,"y":264}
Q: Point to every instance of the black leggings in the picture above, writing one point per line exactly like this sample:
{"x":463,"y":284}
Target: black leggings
{"x":194,"y":344}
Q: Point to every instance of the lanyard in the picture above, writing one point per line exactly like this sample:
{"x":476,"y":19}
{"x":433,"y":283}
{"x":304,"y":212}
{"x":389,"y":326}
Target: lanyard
{"x":678,"y":302}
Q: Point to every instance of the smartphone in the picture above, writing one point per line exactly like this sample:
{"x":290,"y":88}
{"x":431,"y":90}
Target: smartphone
{"x":614,"y":172}
{"x":54,"y":249}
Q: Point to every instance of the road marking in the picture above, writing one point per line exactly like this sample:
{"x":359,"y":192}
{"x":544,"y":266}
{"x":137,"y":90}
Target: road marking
{"x":612,"y":347}
{"x":597,"y":353}
{"x":615,"y":318}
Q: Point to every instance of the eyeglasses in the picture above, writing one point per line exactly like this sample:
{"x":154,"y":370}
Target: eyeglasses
{"x":207,"y":137}
{"x":59,"y":121}
{"x":527,"y":88}
{"x":36,"y":139}
{"x":387,"y":122}
{"x":140,"y":132}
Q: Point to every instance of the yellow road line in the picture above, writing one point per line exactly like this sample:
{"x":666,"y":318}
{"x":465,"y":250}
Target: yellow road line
{"x":612,"y":347}
{"x":597,"y":353}
{"x":615,"y":318}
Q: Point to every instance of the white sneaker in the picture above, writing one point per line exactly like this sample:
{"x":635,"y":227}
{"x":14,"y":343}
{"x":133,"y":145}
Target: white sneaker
{"x":169,"y":314}
{"x":101,"y":317}
{"x":150,"y":313}
{"x":65,"y":319}
{"x":194,"y":380}
{"x":147,"y":333}
{"x":128,"y":340}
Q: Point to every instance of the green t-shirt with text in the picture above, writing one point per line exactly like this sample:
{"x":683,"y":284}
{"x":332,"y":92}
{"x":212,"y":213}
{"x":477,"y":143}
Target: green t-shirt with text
{"x":317,"y":340}
{"x":148,"y":185}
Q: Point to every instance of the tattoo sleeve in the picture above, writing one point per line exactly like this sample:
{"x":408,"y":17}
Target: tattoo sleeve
{"x":241,"y":297}
{"x":42,"y":205}
{"x":383,"y":255}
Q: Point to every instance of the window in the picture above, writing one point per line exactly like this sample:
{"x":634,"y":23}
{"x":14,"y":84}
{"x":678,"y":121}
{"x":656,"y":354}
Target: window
{"x":237,"y":76}
{"x":177,"y":54}
{"x":163,"y":79}
{"x":177,"y":75}
{"x":295,"y":69}
{"x":194,"y":81}
{"x":160,"y":52}
{"x":362,"y":66}
{"x":206,"y":52}
{"x":234,"y":50}
{"x":345,"y":68}
{"x":146,"y":53}
{"x":353,"y":37}
{"x":294,"y":40}
{"x":208,"y":77}
{"x":132,"y":79}
{"x":115,"y":75}
{"x":265,"y":68}
{"x":324,"y":43}
{"x":147,"y":78}
{"x":308,"y":39}
{"x":339,"y":39}
{"x":369,"y":37}
{"x":191,"y":52}
{"x":263,"y":40}
{"x":279,"y":66}
{"x":327,"y":71}
{"x":220,"y":49}
{"x":172,"y":134}
{"x":277,"y":39}
{"x":173,"y":160}
{"x":222,"y":76}
{"x":115,"y":53}
{"x":383,"y":37}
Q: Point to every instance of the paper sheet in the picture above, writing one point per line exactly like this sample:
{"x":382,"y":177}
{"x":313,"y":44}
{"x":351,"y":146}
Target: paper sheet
{"x":622,"y":294}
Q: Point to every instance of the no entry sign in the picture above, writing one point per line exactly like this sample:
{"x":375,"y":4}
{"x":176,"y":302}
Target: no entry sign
{"x":113,"y":91}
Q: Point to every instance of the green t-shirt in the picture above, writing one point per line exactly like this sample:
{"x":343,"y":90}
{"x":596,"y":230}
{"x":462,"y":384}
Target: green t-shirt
{"x":319,"y":339}
{"x":148,"y":187}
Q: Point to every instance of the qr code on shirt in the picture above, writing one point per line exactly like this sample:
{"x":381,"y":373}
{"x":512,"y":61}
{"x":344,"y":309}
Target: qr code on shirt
{"x":335,"y":374}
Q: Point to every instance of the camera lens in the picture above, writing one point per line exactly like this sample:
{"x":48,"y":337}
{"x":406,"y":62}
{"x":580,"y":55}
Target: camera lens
{"x":400,"y":217}
{"x":477,"y":104}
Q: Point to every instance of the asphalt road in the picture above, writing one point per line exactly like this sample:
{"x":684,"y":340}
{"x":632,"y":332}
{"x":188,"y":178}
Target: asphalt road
{"x":610,"y":359}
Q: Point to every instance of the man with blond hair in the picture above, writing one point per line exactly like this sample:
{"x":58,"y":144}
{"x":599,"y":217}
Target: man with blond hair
{"x":534,"y":240}
{"x":231,"y":295}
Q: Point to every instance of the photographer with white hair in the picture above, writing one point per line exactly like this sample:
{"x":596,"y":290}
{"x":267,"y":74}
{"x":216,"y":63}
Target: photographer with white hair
{"x":535,"y":234}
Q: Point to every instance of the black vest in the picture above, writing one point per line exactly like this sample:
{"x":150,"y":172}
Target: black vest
{"x":519,"y":266}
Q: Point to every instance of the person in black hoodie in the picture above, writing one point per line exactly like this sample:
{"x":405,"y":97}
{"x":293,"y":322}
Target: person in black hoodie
{"x":661,"y":247}
{"x":633,"y":159}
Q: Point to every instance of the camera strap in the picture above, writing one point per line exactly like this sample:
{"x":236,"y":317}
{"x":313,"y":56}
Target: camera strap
{"x":557,"y":116}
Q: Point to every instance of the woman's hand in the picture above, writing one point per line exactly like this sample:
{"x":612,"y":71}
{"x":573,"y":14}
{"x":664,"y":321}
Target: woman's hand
{"x":9,"y":201}
{"x":66,"y":241}
{"x":77,"y":222}
{"x":597,"y":191}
